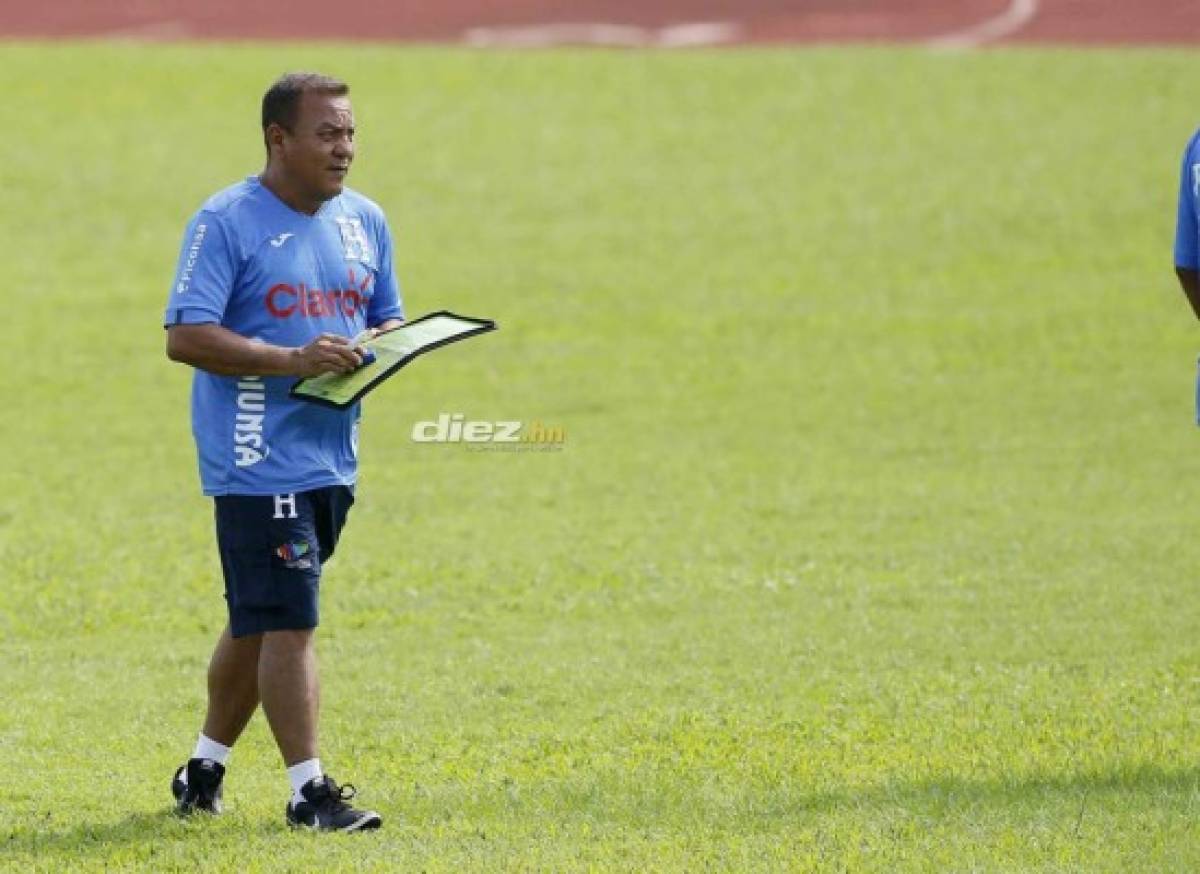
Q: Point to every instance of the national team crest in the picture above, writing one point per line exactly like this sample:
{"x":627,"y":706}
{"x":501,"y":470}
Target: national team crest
{"x":355,"y":245}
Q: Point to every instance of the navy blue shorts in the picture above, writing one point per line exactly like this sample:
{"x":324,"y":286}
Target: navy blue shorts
{"x":272,"y":548}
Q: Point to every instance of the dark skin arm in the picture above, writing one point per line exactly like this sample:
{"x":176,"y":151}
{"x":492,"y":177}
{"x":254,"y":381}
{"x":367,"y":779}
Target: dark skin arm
{"x":221,"y":351}
{"x":1189,"y":280}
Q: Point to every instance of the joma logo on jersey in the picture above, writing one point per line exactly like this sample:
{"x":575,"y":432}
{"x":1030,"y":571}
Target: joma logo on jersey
{"x":354,"y":240}
{"x":249,"y":447}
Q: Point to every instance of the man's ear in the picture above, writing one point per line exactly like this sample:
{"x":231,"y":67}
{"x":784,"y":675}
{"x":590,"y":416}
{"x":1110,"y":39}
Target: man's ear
{"x":275,"y":134}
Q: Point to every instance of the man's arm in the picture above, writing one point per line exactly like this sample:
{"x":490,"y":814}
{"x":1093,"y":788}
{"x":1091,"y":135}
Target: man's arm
{"x":1189,"y":280}
{"x":219,"y":350}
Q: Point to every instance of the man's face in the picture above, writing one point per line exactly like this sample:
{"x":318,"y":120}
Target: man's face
{"x":317,"y":152}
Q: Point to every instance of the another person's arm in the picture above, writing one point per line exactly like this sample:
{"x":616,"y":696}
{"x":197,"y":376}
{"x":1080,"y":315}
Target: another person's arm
{"x":1187,"y":233}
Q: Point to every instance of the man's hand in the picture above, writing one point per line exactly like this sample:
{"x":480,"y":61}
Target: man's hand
{"x":329,"y":353}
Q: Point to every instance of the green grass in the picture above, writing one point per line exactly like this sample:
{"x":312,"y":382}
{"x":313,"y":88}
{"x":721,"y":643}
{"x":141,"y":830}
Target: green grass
{"x":872,"y":545}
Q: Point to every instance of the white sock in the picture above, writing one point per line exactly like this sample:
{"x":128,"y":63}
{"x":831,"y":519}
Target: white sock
{"x":300,"y":773}
{"x":207,"y":748}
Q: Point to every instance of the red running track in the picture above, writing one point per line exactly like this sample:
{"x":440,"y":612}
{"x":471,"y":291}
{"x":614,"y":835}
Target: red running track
{"x":615,"y":22}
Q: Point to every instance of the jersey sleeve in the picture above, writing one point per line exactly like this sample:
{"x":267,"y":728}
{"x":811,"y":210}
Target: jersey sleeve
{"x":385,"y":302}
{"x":204,"y":276}
{"x":1187,"y":238}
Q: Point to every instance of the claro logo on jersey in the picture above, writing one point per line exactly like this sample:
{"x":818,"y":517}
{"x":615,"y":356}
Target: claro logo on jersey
{"x":284,"y":300}
{"x":249,"y":447}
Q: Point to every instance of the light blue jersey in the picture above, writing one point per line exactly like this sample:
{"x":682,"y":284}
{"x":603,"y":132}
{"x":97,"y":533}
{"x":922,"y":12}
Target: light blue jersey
{"x":1187,"y":226}
{"x":263,"y":270}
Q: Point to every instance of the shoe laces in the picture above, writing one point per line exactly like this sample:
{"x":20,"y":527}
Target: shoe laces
{"x":205,"y":785}
{"x":336,"y":796}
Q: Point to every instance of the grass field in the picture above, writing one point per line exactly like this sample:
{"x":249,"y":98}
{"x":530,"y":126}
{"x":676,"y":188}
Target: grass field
{"x":872,"y":544}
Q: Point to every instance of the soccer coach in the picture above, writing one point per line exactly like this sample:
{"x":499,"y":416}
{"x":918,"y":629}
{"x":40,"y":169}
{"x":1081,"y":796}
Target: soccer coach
{"x":275,"y":275}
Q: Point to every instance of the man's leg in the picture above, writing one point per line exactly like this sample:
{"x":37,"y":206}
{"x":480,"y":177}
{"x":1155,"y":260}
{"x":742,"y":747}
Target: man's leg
{"x":232,"y":686}
{"x":232,"y":700}
{"x":287,"y":681}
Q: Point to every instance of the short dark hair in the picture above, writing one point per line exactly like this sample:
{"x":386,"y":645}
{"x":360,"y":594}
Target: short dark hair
{"x":281,"y":103}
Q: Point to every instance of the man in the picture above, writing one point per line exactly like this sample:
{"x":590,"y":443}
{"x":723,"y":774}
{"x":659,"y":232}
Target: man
{"x":1187,"y":233}
{"x":276,"y":274}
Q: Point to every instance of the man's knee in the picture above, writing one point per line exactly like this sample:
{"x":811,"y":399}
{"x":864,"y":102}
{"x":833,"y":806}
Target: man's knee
{"x":246,"y":643}
{"x":289,"y":639}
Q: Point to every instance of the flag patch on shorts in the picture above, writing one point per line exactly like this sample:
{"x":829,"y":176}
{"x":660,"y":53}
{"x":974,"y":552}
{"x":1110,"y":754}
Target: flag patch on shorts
{"x":293,"y":554}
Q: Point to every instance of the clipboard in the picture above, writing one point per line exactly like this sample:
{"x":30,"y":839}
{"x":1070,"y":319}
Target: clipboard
{"x":392,"y":350}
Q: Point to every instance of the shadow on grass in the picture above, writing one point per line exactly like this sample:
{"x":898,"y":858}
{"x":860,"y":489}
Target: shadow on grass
{"x":937,"y":796}
{"x":159,"y":828}
{"x":165,"y":828}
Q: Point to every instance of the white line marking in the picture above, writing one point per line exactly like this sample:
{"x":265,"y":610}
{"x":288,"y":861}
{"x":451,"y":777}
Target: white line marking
{"x":170,"y":30}
{"x":1018,"y":14}
{"x":700,"y":33}
{"x":541,"y":35}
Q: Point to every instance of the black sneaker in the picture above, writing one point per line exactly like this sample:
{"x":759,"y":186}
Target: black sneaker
{"x":203,"y":788}
{"x":324,"y":808}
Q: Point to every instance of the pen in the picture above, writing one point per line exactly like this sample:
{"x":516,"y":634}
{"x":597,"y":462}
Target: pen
{"x":368,"y":357}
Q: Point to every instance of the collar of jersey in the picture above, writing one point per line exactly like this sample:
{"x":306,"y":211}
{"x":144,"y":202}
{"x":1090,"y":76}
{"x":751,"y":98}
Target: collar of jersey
{"x":257,"y":180}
